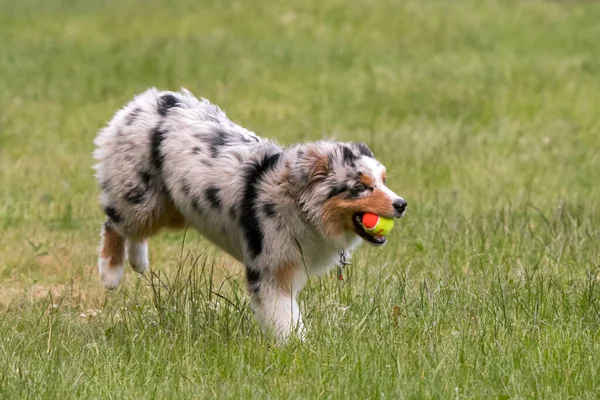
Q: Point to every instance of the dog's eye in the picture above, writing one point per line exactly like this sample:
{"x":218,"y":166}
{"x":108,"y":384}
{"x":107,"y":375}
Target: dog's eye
{"x":360,"y":187}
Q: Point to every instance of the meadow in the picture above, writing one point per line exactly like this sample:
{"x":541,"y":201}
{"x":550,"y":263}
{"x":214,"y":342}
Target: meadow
{"x":486,"y":114}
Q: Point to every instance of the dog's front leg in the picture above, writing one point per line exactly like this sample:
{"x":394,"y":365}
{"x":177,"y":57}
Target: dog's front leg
{"x":277,"y":312}
{"x":274,"y":304}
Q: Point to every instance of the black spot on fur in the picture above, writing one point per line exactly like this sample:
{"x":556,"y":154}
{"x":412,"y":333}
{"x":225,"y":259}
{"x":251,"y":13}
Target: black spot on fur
{"x":166,"y":102}
{"x":156,"y":138}
{"x":145,"y":177}
{"x":249,"y":218}
{"x":206,"y":162}
{"x":112,"y":214}
{"x":232,"y":212}
{"x":196,"y":150}
{"x":197,"y":206}
{"x":348,"y":156}
{"x":364,"y":150}
{"x":269,"y":209}
{"x":337,"y":190}
{"x":135,"y":195}
{"x":218,"y":139}
{"x":130,"y":119}
{"x":253,"y":279}
{"x":212,"y":195}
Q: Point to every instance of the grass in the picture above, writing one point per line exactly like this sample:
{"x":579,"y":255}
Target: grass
{"x":485,"y":113}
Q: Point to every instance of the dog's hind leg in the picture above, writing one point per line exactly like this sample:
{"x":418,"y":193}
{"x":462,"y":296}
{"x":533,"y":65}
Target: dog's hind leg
{"x":137,"y":254}
{"x":112,"y":256}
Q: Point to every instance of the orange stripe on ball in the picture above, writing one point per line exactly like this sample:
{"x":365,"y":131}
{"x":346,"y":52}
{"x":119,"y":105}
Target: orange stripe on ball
{"x":369,"y":220}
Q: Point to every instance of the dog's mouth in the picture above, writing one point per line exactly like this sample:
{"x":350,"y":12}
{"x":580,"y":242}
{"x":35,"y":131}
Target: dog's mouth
{"x":360,"y":231}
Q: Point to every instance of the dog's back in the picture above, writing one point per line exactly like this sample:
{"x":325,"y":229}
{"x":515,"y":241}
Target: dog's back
{"x":165,"y":157}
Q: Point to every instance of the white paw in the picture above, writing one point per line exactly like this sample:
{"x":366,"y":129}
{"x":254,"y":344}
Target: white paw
{"x":111,"y":275}
{"x":137,"y":253}
{"x":139,"y":265}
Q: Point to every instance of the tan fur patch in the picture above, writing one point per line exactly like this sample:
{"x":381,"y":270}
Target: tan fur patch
{"x":113,"y":247}
{"x":383,"y":176}
{"x":169,"y":217}
{"x":338,"y":212}
{"x":366,"y":180}
{"x":284,"y":276}
{"x":172,"y":218}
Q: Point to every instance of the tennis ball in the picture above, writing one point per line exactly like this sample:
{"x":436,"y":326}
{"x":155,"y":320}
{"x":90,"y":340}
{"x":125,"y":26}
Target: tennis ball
{"x":377,"y":226}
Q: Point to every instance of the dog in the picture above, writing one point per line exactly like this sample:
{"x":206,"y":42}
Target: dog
{"x":169,"y":160}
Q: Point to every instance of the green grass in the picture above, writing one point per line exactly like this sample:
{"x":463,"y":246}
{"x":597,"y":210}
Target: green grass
{"x":486,"y":114}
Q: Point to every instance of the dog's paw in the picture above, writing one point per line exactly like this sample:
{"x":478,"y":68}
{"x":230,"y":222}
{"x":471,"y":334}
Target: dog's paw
{"x":137,"y":253}
{"x":111,"y":275}
{"x":139,"y":265}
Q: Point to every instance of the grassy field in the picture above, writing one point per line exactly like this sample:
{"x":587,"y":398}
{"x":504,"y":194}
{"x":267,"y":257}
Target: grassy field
{"x":486,"y":113}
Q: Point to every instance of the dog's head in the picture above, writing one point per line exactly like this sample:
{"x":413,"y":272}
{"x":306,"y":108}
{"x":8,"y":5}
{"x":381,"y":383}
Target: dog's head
{"x":340,"y":182}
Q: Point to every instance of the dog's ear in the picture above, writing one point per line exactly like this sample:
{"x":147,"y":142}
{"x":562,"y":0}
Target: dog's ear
{"x":313,"y":164}
{"x":364,"y":149}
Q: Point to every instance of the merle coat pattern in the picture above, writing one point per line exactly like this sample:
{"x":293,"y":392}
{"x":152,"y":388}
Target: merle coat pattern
{"x":170,"y":160}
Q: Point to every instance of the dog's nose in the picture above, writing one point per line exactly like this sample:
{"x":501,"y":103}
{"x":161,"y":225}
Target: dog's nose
{"x":399,"y":206}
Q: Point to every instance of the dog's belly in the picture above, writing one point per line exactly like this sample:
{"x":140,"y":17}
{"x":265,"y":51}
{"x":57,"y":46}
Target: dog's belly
{"x":221,"y":236}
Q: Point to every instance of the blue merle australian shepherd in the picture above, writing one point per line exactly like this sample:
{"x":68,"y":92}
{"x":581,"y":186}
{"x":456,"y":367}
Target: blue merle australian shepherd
{"x":169,"y":160}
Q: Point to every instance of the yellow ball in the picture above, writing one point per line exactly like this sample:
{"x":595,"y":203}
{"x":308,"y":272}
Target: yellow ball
{"x":377,"y":226}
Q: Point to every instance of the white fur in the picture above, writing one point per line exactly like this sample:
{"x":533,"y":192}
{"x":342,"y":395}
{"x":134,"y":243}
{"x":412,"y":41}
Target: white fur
{"x":111,"y":275}
{"x":278,"y":313}
{"x":137,"y":254}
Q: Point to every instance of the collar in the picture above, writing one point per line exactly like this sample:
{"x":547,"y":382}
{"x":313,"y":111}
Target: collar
{"x":342,"y":263}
